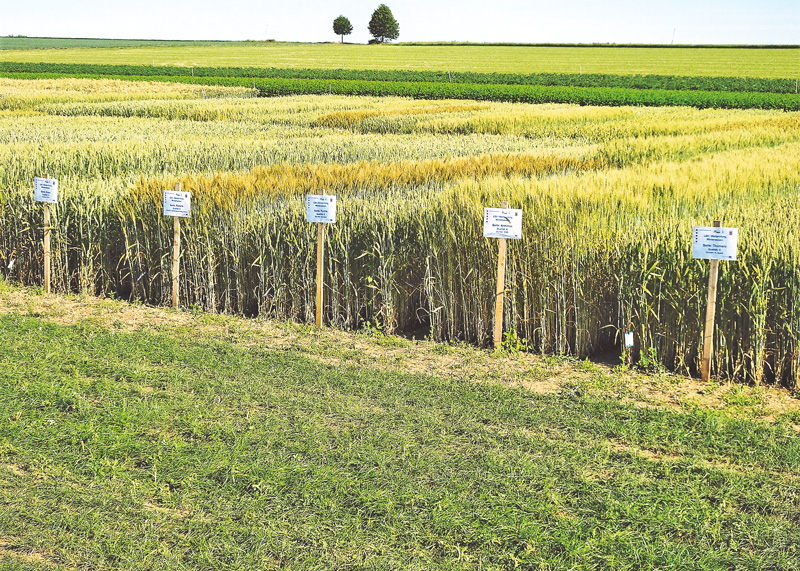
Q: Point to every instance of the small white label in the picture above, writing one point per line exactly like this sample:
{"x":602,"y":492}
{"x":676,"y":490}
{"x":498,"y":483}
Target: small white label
{"x":712,"y":243}
{"x":629,"y":339}
{"x":502,"y":223}
{"x":321,"y":208}
{"x":177,"y":203}
{"x":45,"y":189}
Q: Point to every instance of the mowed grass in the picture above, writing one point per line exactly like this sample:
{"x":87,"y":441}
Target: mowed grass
{"x":718,"y":62}
{"x":168,"y":447}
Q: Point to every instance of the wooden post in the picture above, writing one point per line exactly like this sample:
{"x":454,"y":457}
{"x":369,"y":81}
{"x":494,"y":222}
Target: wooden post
{"x":711,"y":307}
{"x":501,"y":286}
{"x":320,"y":268}
{"x":46,"y":224}
{"x":46,"y":207}
{"x":176,"y":255}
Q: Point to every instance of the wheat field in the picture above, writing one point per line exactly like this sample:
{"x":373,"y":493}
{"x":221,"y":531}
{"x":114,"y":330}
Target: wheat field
{"x":609,"y":196}
{"x":731,"y":61}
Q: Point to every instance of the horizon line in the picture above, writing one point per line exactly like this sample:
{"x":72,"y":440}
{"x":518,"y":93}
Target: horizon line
{"x":454,"y":43}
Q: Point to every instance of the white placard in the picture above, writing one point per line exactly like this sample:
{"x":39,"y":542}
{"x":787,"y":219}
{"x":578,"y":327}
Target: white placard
{"x":502,"y":223}
{"x":629,"y":339}
{"x":45,"y":189}
{"x":177,"y":203}
{"x":321,"y":208}
{"x":712,"y":243}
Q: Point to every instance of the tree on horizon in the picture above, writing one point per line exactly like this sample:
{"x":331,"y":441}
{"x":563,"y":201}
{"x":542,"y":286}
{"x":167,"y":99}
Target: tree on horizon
{"x":342,"y":27}
{"x":382,"y":25}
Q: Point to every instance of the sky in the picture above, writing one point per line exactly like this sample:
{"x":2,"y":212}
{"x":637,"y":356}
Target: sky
{"x":532,"y":21}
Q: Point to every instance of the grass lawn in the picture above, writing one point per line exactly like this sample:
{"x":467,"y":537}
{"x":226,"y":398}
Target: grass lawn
{"x":720,"y":62}
{"x":141,"y":438}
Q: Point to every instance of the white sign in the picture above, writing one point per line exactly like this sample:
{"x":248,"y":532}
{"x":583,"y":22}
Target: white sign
{"x":45,"y":189}
{"x":502,"y":223}
{"x":177,"y":203}
{"x":711,"y":243}
{"x":629,"y":339}
{"x":321,"y":208}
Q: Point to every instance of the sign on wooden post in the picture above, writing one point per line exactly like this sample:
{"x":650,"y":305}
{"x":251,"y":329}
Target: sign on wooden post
{"x":501,"y":223}
{"x":627,"y":343}
{"x":46,"y":192}
{"x":713,"y":243}
{"x":629,"y":340}
{"x":320,"y":208}
{"x":177,"y":204}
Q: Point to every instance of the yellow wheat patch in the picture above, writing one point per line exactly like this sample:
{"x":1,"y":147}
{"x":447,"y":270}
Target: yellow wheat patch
{"x":347,"y":119}
{"x":226,"y":190}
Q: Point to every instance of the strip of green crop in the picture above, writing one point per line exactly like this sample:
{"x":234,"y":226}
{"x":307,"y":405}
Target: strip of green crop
{"x":606,"y":96}
{"x":667,"y":82}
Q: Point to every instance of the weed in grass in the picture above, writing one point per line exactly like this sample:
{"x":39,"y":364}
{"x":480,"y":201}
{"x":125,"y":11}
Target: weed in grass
{"x":749,"y":401}
{"x":558,"y":360}
{"x":513,"y":344}
{"x":392,"y":341}
{"x":371,"y":329}
{"x":442,"y":349}
{"x":741,"y":396}
{"x":710,"y":387}
{"x":573,"y":389}
{"x":649,"y":362}
{"x":792,"y":416}
{"x":587,"y":366}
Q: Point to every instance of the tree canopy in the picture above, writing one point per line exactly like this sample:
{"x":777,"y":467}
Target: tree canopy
{"x":382,"y":25}
{"x":342,"y":27}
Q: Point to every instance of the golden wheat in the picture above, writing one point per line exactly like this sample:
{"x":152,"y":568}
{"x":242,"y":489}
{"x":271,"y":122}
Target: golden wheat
{"x":609,"y":198}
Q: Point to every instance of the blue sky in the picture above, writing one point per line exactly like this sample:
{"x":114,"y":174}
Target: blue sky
{"x":584,"y":21}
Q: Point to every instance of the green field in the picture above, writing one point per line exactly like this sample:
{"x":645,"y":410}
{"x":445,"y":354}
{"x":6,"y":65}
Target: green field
{"x":26,"y":43}
{"x":720,"y":62}
{"x":135,"y":438}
